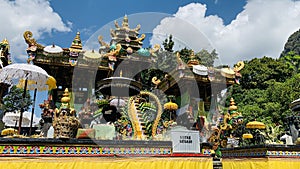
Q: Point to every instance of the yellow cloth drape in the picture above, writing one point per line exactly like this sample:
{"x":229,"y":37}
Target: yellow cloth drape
{"x":105,"y":163}
{"x":261,"y":163}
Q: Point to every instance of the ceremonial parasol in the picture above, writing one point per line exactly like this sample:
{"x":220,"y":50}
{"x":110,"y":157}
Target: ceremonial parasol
{"x":38,"y":78}
{"x":117,"y":102}
{"x":255,"y":125}
{"x":92,"y":55}
{"x":11,"y":118}
{"x":53,"y":49}
{"x":119,"y":87}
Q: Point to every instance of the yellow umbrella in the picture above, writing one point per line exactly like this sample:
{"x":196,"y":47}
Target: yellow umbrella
{"x":247,"y":136}
{"x":170,"y":106}
{"x":31,"y":84}
{"x":51,"y":82}
{"x":255,"y":125}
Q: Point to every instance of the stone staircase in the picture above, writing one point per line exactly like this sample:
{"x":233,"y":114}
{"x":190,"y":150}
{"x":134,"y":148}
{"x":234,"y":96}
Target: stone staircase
{"x":139,"y":114}
{"x":217,"y":163}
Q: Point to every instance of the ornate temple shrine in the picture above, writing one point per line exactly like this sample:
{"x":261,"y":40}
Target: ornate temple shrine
{"x":123,"y":61}
{"x":120,"y":101}
{"x":66,"y":64}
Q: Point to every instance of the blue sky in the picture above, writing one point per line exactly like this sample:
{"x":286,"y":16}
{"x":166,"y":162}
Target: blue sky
{"x":237,"y":29}
{"x":88,"y":16}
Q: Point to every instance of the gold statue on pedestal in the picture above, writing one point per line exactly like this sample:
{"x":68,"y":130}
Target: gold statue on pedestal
{"x":65,"y":122}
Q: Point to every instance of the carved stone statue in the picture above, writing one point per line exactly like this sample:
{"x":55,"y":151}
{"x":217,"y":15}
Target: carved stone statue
{"x":47,"y":115}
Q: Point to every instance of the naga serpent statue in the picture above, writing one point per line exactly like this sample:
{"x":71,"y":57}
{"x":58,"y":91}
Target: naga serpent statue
{"x":133,"y":116}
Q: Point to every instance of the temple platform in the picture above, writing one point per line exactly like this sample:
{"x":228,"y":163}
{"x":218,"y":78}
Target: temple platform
{"x":262,"y":156}
{"x":47,"y":147}
{"x":107,"y":163}
{"x":258,"y":151}
{"x":87,"y":153}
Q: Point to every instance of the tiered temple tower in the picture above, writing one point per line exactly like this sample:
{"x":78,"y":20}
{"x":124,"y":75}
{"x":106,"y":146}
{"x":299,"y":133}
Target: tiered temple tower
{"x":126,"y":37}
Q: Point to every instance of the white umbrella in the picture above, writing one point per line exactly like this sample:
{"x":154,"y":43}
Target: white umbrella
{"x":11,"y":118}
{"x":19,"y":71}
{"x":14,"y":72}
{"x":117,"y":102}
{"x":53,"y":49}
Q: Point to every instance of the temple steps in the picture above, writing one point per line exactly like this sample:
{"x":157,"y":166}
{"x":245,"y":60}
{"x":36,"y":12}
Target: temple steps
{"x":217,"y":163}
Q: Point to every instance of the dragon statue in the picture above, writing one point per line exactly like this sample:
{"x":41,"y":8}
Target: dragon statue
{"x":231,"y":121}
{"x":31,"y":41}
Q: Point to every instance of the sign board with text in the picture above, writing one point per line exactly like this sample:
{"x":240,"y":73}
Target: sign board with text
{"x":185,"y":141}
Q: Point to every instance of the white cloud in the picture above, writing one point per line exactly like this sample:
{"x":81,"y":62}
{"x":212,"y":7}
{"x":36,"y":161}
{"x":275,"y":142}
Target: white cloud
{"x":20,"y":15}
{"x":261,"y":29}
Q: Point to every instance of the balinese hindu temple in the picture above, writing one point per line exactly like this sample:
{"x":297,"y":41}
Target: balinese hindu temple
{"x":109,"y":104}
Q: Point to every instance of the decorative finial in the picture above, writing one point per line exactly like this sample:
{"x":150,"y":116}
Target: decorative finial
{"x":65,"y":98}
{"x":125,"y":22}
{"x":192,"y":60}
{"x":116,"y":24}
{"x":192,"y":55}
{"x":232,"y":105}
{"x":5,"y":42}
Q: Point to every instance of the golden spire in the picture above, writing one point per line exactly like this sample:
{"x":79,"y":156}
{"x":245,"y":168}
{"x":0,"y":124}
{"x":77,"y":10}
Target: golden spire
{"x":65,"y":98}
{"x":5,"y":42}
{"x":76,"y":44}
{"x":125,"y":22}
{"x":192,"y":60}
{"x":232,"y":105}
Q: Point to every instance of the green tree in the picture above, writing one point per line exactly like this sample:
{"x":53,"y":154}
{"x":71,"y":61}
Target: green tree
{"x":185,"y":54}
{"x":292,"y":60}
{"x":258,"y":72}
{"x":14,"y":100}
{"x":206,"y":58}
{"x":165,"y":63}
{"x":267,"y":88}
{"x":168,"y":44}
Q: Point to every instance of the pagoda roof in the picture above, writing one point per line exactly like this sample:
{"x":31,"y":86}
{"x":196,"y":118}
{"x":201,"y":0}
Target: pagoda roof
{"x":76,"y":45}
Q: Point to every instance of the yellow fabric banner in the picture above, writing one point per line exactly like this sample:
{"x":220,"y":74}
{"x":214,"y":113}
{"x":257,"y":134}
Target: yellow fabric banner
{"x":261,"y":163}
{"x":105,"y":163}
